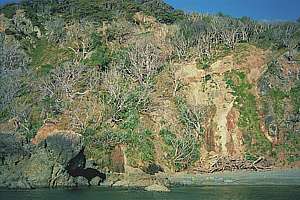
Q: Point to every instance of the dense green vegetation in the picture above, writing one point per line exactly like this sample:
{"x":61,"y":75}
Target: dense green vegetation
{"x":40,"y":11}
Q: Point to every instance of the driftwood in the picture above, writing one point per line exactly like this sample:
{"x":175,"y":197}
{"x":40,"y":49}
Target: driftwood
{"x":231,"y":164}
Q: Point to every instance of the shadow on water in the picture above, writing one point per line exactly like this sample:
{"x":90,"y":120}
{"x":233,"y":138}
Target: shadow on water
{"x":179,"y":193}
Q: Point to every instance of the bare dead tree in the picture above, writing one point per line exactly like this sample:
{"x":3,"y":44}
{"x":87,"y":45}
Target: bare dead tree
{"x":89,"y":115}
{"x":145,"y":59}
{"x":78,"y":35}
{"x":177,"y":82}
{"x":181,"y":45}
{"x":113,"y":82}
{"x":185,"y":151}
{"x":229,"y":32}
{"x":70,"y":81}
{"x":289,"y":40}
{"x":55,"y":30}
{"x":123,"y":95}
{"x":200,"y":35}
{"x":13,"y":67}
{"x":192,"y":117}
{"x":187,"y":35}
{"x":116,"y":87}
{"x":120,"y":30}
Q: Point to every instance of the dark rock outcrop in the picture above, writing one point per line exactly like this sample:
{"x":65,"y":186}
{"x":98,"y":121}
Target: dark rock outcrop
{"x":12,"y":148}
{"x":78,"y":162}
{"x":42,"y":165}
{"x":88,"y":173}
{"x":76,"y":168}
{"x":153,"y":168}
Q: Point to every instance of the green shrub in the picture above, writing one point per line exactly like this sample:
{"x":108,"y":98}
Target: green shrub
{"x":167,"y":136}
{"x":140,"y":145}
{"x":146,"y":146}
{"x":100,"y":57}
{"x":249,"y":118}
{"x":204,"y":64}
{"x":47,"y":54}
{"x":131,"y":120}
{"x":45,"y":69}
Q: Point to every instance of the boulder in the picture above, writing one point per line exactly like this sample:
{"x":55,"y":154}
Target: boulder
{"x":12,"y":151}
{"x":44,"y":165}
{"x":47,"y":166}
{"x":19,"y":184}
{"x":64,"y":145}
{"x":271,"y":124}
{"x":264,"y":86}
{"x":133,"y":171}
{"x":136,"y":182}
{"x":157,"y":188}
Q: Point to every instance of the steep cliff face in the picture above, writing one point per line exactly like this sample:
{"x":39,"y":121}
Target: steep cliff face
{"x":248,"y":102}
{"x":279,"y":110}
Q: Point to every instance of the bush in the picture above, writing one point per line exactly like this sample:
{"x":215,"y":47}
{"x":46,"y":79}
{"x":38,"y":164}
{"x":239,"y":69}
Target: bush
{"x":203,"y":63}
{"x":123,"y":98}
{"x":55,"y":30}
{"x":182,"y":152}
{"x":140,"y":145}
{"x":277,"y":97}
{"x":100,"y":57}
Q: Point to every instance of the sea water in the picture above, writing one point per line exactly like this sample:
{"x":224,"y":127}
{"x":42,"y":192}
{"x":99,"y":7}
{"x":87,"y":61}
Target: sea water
{"x":180,"y":193}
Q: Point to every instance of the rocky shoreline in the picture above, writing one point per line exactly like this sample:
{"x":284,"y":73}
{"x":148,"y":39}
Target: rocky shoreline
{"x":273,"y":177}
{"x":26,"y":166}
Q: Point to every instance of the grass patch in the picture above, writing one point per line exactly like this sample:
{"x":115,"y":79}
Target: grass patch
{"x":241,"y":52}
{"x":140,"y":146}
{"x":277,"y":96}
{"x":45,"y":55}
{"x":100,"y":57}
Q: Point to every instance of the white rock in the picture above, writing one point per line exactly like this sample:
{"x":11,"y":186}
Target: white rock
{"x":157,"y":188}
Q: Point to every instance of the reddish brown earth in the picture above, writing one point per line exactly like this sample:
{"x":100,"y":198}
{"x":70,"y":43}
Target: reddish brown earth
{"x":117,"y":158}
{"x":45,"y":131}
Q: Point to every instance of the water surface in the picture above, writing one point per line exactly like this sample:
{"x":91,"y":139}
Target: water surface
{"x":180,"y":193}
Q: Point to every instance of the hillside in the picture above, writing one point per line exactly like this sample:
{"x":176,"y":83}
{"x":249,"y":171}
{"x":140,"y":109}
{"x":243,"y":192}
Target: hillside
{"x":139,"y":85}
